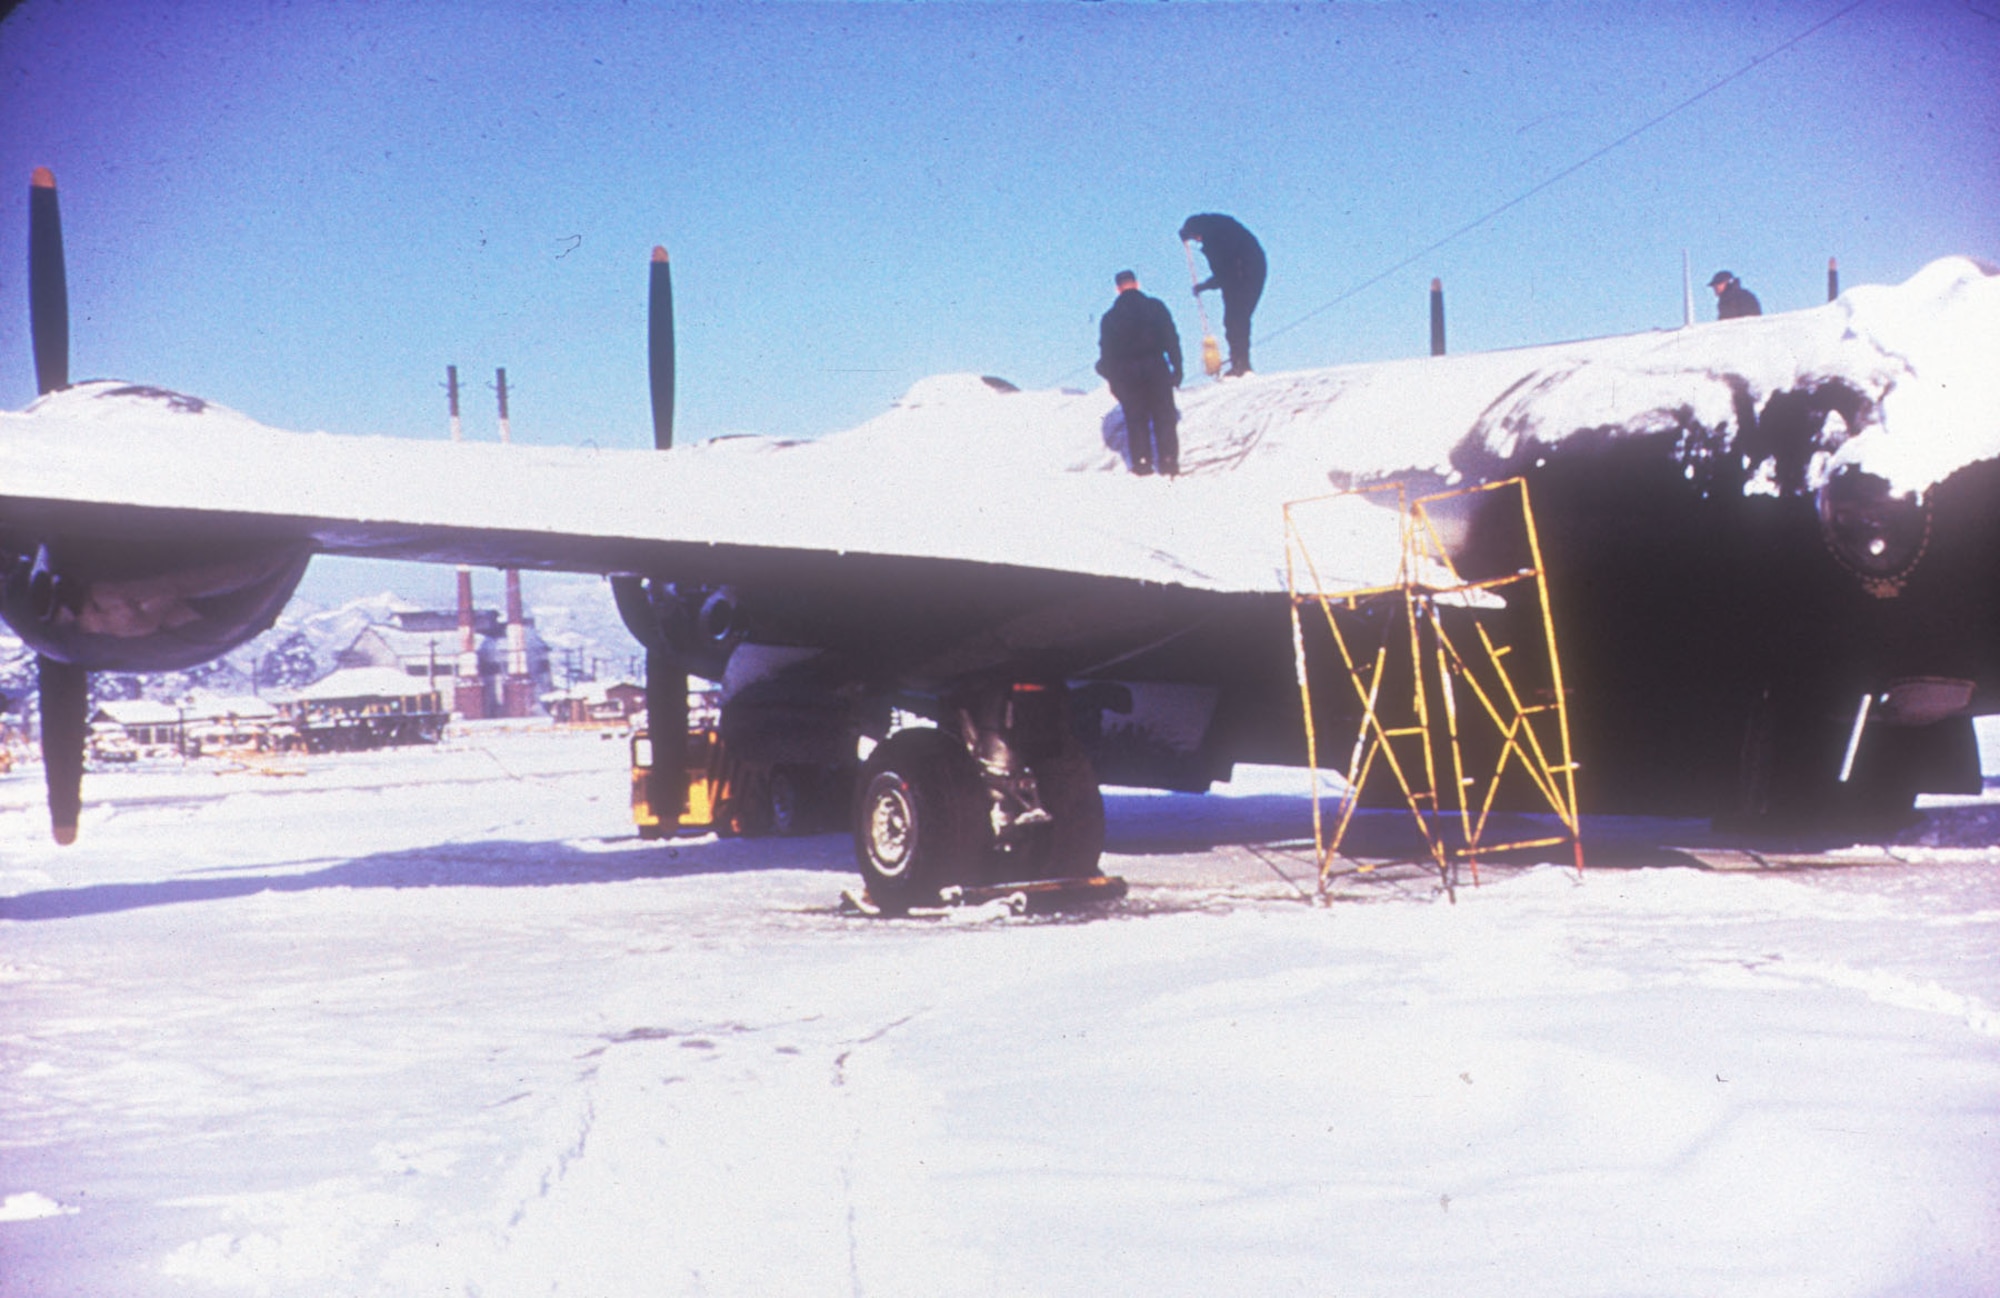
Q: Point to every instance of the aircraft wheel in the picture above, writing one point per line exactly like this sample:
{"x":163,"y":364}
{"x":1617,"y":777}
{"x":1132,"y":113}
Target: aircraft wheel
{"x":1075,"y":835}
{"x":919,"y":818}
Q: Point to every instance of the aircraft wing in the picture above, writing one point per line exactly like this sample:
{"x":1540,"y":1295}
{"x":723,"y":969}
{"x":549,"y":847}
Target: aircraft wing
{"x":113,"y":460}
{"x":960,"y":473}
{"x":972,"y":529}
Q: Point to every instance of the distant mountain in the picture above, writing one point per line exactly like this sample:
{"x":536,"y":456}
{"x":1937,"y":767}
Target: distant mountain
{"x":579,"y":620}
{"x":575,"y":615}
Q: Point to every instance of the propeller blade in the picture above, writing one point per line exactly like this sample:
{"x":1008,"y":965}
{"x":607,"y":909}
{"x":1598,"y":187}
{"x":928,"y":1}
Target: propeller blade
{"x":64,"y":687}
{"x":660,"y":348}
{"x":65,"y":697}
{"x":666,"y":679}
{"x":48,"y":289}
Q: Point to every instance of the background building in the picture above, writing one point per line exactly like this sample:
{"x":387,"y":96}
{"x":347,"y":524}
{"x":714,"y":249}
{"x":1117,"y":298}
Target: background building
{"x":424,"y":644}
{"x":601,"y":703}
{"x":367,"y":707}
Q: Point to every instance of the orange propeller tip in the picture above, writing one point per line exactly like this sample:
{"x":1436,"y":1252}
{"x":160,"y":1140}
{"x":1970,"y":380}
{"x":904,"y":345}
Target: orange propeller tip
{"x":659,"y":253}
{"x":64,"y":834}
{"x":42,"y":179}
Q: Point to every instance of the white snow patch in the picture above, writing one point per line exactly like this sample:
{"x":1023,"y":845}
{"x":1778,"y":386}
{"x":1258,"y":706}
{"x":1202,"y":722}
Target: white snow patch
{"x":435,"y":1022}
{"x":32,"y":1205}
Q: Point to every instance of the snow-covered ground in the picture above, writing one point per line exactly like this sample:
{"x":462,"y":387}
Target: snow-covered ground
{"x":433,"y":1022}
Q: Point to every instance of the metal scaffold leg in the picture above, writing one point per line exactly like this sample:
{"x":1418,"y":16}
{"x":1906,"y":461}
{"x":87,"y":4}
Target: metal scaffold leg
{"x":1450,"y":677}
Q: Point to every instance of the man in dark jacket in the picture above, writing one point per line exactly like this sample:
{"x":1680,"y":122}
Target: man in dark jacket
{"x":1236,"y":266}
{"x":1139,"y":354}
{"x":1731,"y":298}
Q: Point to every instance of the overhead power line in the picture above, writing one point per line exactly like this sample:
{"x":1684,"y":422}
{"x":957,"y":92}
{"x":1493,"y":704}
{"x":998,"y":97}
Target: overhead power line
{"x":1570,"y":170}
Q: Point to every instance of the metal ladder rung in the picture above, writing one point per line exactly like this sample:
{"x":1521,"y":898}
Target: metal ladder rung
{"x":1523,"y":846}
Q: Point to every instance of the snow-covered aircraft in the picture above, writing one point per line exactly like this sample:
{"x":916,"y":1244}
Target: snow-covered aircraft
{"x":1749,"y":527}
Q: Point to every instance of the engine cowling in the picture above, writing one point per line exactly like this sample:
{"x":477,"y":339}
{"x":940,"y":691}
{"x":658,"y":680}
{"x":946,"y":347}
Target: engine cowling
{"x":1872,"y":532}
{"x":163,"y":610}
{"x":696,"y":627}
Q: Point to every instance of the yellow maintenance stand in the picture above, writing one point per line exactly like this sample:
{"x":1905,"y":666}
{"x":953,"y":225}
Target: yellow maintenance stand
{"x":1448,"y":708}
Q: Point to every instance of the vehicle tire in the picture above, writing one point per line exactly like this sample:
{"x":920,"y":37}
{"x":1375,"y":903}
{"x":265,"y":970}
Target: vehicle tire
{"x":920,"y":820}
{"x":788,"y":801}
{"x":834,"y":808}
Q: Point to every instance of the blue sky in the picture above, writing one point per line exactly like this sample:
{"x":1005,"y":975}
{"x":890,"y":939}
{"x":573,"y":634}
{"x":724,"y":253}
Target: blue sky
{"x":306,"y":211}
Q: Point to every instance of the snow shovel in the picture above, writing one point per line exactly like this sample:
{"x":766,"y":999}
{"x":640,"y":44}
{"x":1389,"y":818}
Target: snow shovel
{"x":1211,"y":355}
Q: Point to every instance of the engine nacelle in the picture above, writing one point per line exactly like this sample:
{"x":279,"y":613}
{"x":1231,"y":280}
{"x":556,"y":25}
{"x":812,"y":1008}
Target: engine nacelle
{"x":698,"y":627}
{"x":166,"y":610}
{"x":1874,"y":534}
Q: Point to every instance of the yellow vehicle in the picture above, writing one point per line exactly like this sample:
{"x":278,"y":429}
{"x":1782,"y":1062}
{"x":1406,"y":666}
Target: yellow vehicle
{"x":708,"y":786}
{"x":731,"y":795}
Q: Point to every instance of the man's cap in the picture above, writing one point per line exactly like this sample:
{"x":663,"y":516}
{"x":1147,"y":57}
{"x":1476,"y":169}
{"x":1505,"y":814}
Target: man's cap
{"x":1124,"y":277}
{"x":1720,"y":277}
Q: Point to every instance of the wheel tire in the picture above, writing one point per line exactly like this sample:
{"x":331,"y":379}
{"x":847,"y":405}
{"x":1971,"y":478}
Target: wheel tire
{"x":920,"y":821}
{"x":1068,"y":847}
{"x":1068,"y":785}
{"x":788,"y":801}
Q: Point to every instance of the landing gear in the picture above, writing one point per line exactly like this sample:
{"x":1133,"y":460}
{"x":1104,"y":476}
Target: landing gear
{"x":1806,"y":769}
{"x":1000,"y":793}
{"x":919,"y":818}
{"x":997,"y":794}
{"x":1068,"y":844}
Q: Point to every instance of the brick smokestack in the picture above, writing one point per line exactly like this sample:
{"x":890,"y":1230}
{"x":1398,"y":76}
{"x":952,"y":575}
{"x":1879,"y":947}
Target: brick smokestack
{"x":468,"y":693}
{"x":519,"y":698}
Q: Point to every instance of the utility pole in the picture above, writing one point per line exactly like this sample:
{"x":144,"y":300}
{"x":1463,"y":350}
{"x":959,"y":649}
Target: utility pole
{"x":1437,"y":317}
